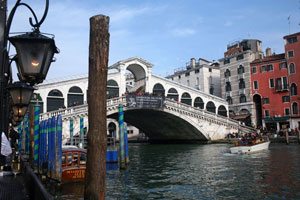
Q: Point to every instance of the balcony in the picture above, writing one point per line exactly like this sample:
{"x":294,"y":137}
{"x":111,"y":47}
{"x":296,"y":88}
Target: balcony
{"x":281,"y":88}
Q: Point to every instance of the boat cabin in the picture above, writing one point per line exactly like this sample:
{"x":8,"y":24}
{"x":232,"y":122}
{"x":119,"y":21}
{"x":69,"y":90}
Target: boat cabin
{"x":73,"y":163}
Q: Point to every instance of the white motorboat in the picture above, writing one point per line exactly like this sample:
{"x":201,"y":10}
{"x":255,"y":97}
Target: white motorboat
{"x":253,"y":146}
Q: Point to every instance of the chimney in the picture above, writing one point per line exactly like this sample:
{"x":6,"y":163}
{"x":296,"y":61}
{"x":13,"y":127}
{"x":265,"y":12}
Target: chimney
{"x":268,"y":52}
{"x":193,"y":63}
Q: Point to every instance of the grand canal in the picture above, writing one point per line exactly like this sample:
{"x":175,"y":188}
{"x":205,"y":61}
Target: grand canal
{"x":202,"y":172}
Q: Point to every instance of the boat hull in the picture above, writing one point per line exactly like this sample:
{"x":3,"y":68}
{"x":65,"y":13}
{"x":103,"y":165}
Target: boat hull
{"x":250,"y":149}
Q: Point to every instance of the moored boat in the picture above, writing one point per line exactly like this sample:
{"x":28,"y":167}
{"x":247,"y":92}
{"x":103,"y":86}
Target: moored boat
{"x":73,"y":163}
{"x":248,"y":146}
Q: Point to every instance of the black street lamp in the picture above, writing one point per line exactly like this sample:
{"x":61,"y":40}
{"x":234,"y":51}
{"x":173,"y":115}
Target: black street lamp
{"x":35,"y":53}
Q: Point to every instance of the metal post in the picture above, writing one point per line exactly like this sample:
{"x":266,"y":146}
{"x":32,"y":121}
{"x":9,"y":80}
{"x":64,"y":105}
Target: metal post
{"x":3,"y":71}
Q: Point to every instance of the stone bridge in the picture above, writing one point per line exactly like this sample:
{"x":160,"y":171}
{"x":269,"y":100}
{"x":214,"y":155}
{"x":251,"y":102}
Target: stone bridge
{"x":171,"y":122}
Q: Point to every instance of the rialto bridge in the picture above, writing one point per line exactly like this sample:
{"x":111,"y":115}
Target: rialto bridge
{"x":187,"y":114}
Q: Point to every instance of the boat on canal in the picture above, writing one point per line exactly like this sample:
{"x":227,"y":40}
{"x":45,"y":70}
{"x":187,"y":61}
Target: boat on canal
{"x":247,"y":146}
{"x":73,"y":163}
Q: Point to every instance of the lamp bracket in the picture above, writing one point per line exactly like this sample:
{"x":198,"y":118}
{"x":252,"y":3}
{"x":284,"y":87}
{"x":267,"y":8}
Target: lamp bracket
{"x":37,"y":24}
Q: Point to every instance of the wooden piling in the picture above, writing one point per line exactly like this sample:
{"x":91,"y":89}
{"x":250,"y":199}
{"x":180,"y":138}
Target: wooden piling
{"x":286,"y":136}
{"x":97,"y":137}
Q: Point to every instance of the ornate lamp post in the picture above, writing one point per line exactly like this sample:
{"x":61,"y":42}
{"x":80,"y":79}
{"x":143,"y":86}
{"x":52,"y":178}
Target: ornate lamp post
{"x":35,"y":53}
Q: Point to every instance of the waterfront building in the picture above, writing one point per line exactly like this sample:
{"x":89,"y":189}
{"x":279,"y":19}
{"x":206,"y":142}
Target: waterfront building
{"x":292,"y":53}
{"x":235,"y":78}
{"x":202,"y":75}
{"x":270,"y":91}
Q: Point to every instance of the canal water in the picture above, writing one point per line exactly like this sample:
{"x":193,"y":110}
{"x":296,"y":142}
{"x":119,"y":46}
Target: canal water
{"x":202,"y":172}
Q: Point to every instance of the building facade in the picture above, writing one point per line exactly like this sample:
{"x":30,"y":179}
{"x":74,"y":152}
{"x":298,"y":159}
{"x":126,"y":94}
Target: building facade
{"x":202,"y":75}
{"x":235,"y":78}
{"x":270,"y":90}
{"x":292,"y":53}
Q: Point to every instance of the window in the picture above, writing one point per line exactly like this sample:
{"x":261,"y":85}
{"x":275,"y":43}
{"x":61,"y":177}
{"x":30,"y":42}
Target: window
{"x":271,"y":83}
{"x":229,"y":100}
{"x":290,"y":54}
{"x":292,"y":68}
{"x":227,"y":73}
{"x":211,"y":90}
{"x":292,"y":40}
{"x":241,"y":69}
{"x":82,"y":158}
{"x":285,"y":99}
{"x":255,"y":84}
{"x":242,"y":84}
{"x":75,"y":159}
{"x":187,"y":74}
{"x":285,"y":83}
{"x":266,"y":101}
{"x":63,"y":158}
{"x":69,"y":157}
{"x":226,"y":61}
{"x":263,"y":68}
{"x":197,"y":81}
{"x":293,"y":89}
{"x":283,"y":65}
{"x":196,"y":71}
{"x":228,"y":87}
{"x":267,"y":113}
{"x":281,"y":84}
{"x":295,"y":108}
{"x":254,"y":70}
{"x":210,"y":69}
{"x":179,"y":77}
{"x":243,"y":98}
{"x":240,"y":57}
{"x":188,"y":82}
{"x":269,"y":67}
{"x":286,"y":112}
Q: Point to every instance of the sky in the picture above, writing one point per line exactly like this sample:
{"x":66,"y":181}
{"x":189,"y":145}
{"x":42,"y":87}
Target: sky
{"x":166,"y":33}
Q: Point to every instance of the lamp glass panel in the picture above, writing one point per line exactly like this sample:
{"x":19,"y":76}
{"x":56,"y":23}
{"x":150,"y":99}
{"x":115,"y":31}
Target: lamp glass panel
{"x":19,"y":111}
{"x":20,"y":95}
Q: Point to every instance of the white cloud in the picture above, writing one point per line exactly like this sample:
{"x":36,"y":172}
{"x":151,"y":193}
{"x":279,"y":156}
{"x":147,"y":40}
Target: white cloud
{"x":182,"y":32}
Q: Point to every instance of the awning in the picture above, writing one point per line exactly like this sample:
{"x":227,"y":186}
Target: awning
{"x":276,"y":119}
{"x":244,"y":116}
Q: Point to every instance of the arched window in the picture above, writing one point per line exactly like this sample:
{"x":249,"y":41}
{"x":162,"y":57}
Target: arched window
{"x":112,"y":130}
{"x":55,"y":100}
{"x":37,"y":98}
{"x":295,"y":108}
{"x":112,"y":89}
{"x":186,"y":98}
{"x":199,"y":103}
{"x":292,"y":68}
{"x":229,"y":100}
{"x":210,"y":107}
{"x":75,"y":96}
{"x":228,"y":87}
{"x":294,"y":89}
{"x":222,"y":111}
{"x":243,"y":98}
{"x":172,"y":94}
{"x":227,"y":73}
{"x":241,"y":69}
{"x":159,"y":90}
{"x":242,"y":84}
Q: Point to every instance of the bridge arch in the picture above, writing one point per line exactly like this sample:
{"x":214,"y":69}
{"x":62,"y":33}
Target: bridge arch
{"x":173,"y":94}
{"x":158,"y":89}
{"x":112,"y":89}
{"x":210,"y":107}
{"x":75,"y":96}
{"x":55,"y":100}
{"x":186,"y":98}
{"x":222,"y":111}
{"x":198,"y":102}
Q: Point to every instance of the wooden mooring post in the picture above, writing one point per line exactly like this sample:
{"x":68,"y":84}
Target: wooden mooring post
{"x":97,"y":137}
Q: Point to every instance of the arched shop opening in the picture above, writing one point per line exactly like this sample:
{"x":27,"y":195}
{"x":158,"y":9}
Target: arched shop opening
{"x":55,"y":100}
{"x":75,"y":96}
